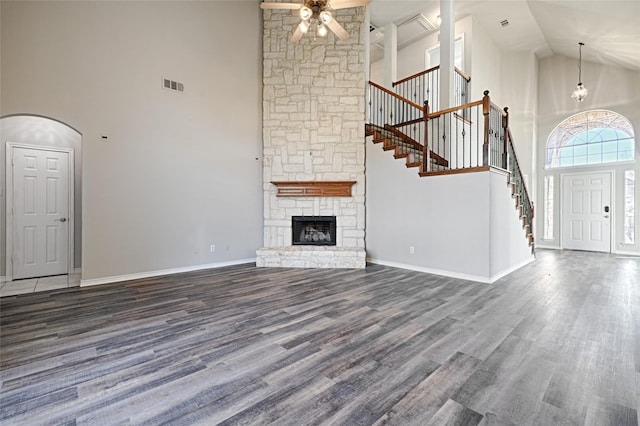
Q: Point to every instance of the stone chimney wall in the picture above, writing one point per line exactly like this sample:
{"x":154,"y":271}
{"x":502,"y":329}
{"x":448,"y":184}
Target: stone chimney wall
{"x":313,"y":124}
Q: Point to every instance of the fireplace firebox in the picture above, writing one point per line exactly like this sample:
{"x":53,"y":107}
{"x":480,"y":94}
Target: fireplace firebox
{"x":313,"y":230}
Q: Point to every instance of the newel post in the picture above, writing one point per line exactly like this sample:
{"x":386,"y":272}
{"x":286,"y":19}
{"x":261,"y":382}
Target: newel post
{"x":486,"y":108}
{"x":426,"y":161}
{"x":505,"y":132}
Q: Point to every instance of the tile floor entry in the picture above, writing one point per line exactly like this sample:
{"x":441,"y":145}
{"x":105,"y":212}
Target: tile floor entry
{"x":33,"y":285}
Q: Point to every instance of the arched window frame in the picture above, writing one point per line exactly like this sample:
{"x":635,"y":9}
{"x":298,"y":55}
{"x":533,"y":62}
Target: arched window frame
{"x":565,"y":133}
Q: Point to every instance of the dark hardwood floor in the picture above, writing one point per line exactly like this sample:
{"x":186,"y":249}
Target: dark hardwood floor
{"x":557,"y":342}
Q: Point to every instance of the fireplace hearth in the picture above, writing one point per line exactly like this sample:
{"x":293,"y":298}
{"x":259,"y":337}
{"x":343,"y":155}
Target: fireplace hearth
{"x":313,"y":230}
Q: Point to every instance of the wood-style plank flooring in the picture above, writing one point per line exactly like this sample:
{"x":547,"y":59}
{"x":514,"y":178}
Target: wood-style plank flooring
{"x":557,"y":342}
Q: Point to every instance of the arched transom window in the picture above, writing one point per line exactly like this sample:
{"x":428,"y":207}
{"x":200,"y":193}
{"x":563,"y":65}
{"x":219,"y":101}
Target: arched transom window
{"x":590,"y":138}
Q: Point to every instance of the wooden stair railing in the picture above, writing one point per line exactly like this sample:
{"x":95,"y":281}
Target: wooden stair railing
{"x":466,"y":138}
{"x":518,"y":186}
{"x":423,"y":86}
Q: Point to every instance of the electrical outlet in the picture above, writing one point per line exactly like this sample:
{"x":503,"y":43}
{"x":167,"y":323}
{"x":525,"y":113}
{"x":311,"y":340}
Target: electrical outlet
{"x":212,"y":248}
{"x":411,"y":250}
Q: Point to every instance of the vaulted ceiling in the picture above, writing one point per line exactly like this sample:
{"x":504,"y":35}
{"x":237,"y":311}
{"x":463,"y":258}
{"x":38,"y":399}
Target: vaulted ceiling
{"x":610,"y":29}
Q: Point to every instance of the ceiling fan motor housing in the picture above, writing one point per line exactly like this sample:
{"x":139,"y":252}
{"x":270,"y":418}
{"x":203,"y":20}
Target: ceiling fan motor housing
{"x":316,"y":6}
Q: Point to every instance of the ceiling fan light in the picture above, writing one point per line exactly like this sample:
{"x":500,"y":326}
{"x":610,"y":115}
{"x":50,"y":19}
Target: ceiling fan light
{"x":305,"y":13}
{"x":303,"y":26}
{"x":325,"y":17}
{"x":322,"y":30}
{"x":579,"y":93}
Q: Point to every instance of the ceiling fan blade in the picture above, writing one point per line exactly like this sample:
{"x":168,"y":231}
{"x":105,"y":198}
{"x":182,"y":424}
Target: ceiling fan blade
{"x":337,"y":29}
{"x":298,"y":33}
{"x":280,"y":5}
{"x":343,"y":4}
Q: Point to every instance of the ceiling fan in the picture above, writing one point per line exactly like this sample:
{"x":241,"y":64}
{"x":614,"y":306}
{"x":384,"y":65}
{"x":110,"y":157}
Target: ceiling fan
{"x":317,"y":12}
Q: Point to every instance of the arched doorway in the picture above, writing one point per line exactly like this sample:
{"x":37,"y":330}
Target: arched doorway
{"x":27,"y":131}
{"x":589,"y":183}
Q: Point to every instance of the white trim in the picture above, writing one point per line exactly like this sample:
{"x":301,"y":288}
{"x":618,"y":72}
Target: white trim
{"x":514,"y":268}
{"x":150,"y":274}
{"x":428,"y":51}
{"x":434,"y":271}
{"x":546,"y":247}
{"x":612,"y":203}
{"x":451,"y":274}
{"x":626,"y":253}
{"x":3,"y":279}
{"x":9,"y":202}
{"x":622,"y":252}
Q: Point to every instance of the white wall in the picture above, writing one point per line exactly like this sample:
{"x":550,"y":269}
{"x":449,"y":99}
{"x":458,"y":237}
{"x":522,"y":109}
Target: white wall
{"x":519,"y":92}
{"x":411,"y":58}
{"x":179,"y":171}
{"x":509,"y":246}
{"x":611,"y":88}
{"x":462,"y":225}
{"x":485,"y":67}
{"x":443,"y":217}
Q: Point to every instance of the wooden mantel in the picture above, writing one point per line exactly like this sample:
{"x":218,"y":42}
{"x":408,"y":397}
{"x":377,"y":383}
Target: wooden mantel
{"x":314,"y":188}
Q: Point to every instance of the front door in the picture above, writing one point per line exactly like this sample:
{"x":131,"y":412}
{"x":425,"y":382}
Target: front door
{"x":40,"y":212}
{"x":586,"y":212}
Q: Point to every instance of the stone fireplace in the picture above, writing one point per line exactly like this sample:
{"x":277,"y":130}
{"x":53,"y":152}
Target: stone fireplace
{"x":313,"y":133}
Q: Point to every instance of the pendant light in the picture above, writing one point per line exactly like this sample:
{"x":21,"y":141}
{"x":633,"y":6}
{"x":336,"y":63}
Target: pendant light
{"x":580,"y":91}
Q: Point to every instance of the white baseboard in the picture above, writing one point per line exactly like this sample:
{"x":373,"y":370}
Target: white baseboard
{"x":442,"y":272}
{"x":626,"y":253}
{"x":621,"y":252}
{"x":150,"y":274}
{"x":514,"y":268}
{"x":451,"y":274}
{"x":542,"y":246}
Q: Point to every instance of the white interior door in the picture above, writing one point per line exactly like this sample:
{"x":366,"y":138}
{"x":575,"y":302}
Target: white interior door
{"x":40,"y":212}
{"x":586,"y":212}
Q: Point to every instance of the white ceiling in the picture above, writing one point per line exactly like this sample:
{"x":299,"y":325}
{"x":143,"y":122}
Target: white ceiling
{"x":610,"y":29}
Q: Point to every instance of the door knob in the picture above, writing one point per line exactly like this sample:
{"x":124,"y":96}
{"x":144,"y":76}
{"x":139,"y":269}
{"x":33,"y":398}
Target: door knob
{"x":62,"y":219}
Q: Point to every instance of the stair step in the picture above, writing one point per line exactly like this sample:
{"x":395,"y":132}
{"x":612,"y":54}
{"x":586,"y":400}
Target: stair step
{"x":381,"y":139}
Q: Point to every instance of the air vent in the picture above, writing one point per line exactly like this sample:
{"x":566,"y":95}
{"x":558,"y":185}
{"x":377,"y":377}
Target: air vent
{"x":420,"y":19}
{"x":504,"y":23}
{"x":176,"y":86}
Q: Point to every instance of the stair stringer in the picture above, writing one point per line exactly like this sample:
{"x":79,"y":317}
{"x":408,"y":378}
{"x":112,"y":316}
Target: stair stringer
{"x":411,"y":152}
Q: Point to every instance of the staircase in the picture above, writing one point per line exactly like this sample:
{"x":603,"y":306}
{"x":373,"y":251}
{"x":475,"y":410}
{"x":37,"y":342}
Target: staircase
{"x":403,"y":147}
{"x":470,"y":137}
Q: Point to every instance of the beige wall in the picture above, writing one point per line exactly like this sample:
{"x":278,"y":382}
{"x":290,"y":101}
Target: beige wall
{"x":179,"y":172}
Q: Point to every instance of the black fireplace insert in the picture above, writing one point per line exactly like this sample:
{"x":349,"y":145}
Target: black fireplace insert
{"x":313,"y":230}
